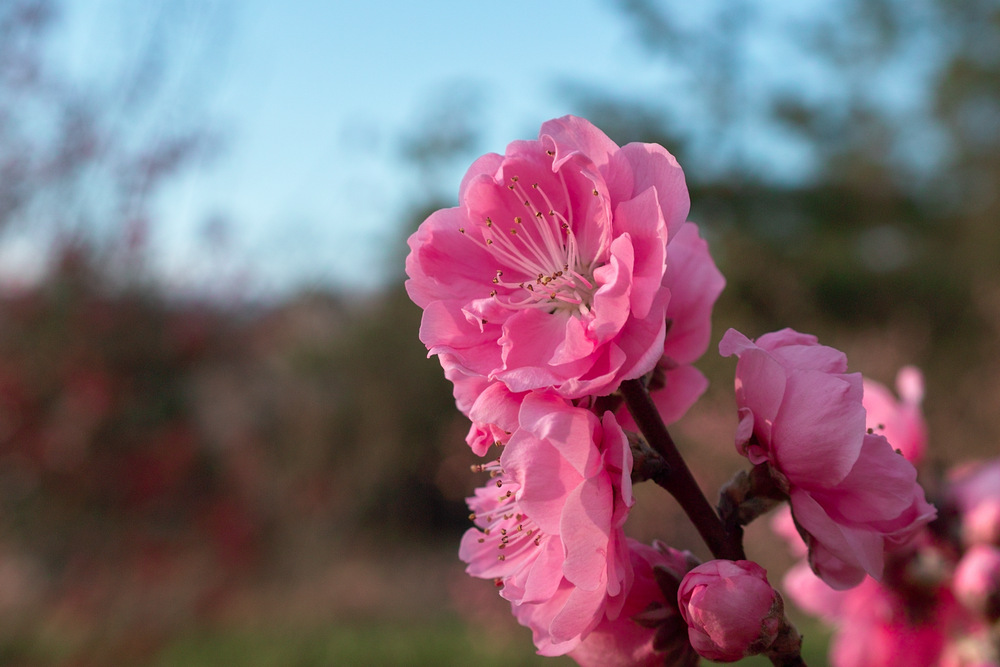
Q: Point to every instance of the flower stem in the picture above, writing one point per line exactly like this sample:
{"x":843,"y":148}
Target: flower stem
{"x":675,"y":477}
{"x":678,"y":480}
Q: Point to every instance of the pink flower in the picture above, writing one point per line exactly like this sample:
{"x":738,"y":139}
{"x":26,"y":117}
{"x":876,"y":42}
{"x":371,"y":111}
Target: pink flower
{"x":976,"y":583}
{"x":801,"y":413}
{"x":876,"y":630}
{"x":974,"y":491}
{"x":730,"y":608}
{"x":875,"y":627}
{"x":649,"y":631}
{"x":901,"y":422}
{"x":550,"y":523}
{"x":550,"y":272}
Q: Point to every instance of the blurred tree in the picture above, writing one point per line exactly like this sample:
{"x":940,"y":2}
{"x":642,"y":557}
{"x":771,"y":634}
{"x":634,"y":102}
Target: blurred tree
{"x":843,"y":157}
{"x":84,"y":155}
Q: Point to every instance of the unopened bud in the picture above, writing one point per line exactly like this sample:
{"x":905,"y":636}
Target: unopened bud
{"x":730,"y":608}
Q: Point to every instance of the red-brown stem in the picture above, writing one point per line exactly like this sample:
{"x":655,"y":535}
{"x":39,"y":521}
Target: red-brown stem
{"x":678,"y":480}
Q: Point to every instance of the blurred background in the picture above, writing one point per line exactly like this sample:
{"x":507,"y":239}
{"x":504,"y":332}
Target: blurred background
{"x":220,"y":439}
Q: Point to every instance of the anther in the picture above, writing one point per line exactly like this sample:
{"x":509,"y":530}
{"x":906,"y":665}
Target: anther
{"x":534,"y":185}
{"x":461,"y":229}
{"x":596,"y":193}
{"x":493,"y":292}
{"x":550,"y":153}
{"x":517,"y":219}
{"x":496,"y":280}
{"x":501,"y":557}
{"x":514,"y":178}
{"x":499,"y":483}
{"x":489,"y":222}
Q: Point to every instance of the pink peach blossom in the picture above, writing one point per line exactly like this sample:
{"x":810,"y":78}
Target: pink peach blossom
{"x":550,"y":523}
{"x":900,"y":421}
{"x":730,"y":608}
{"x":550,"y":274}
{"x":974,"y":492}
{"x":649,"y":630}
{"x":976,"y":582}
{"x":874,"y":627}
{"x":851,"y":495}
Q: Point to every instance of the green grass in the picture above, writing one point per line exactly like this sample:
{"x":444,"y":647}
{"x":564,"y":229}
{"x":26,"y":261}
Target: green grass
{"x":439,"y":641}
{"x":442,"y":642}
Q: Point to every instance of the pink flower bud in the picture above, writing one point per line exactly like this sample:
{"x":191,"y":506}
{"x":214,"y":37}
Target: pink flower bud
{"x":730,"y":608}
{"x":977,"y":581}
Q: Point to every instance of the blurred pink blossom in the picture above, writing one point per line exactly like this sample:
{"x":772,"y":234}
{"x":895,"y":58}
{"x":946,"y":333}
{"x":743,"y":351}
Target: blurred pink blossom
{"x":974,"y":491}
{"x":900,"y":421}
{"x":730,"y":608}
{"x":649,"y":631}
{"x":976,"y":581}
{"x":800,"y":411}
{"x":550,"y":522}
{"x":552,"y":271}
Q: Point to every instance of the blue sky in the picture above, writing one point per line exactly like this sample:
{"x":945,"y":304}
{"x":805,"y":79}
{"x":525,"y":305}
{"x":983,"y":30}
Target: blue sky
{"x":312,"y":98}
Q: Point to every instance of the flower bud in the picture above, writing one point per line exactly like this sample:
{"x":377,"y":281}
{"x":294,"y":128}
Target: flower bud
{"x":977,"y":581}
{"x":730,"y":608}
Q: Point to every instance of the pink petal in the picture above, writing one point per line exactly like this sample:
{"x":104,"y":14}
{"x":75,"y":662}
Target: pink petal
{"x":567,"y":430}
{"x":653,"y":166}
{"x":760,"y":388}
{"x":444,"y":263}
{"x":612,"y":299}
{"x":585,"y":527}
{"x":695,"y":283}
{"x":819,"y":430}
{"x":640,"y":219}
{"x":570,"y":134}
{"x":447,"y":329}
{"x":577,"y":344}
{"x":879,"y":487}
{"x":641,"y":340}
{"x":855,"y":551}
{"x":530,"y":339}
{"x":488,"y":165}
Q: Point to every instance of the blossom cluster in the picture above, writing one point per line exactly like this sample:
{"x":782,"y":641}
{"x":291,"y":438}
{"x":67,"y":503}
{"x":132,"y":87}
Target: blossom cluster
{"x":938,"y":602}
{"x":567,"y":297}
